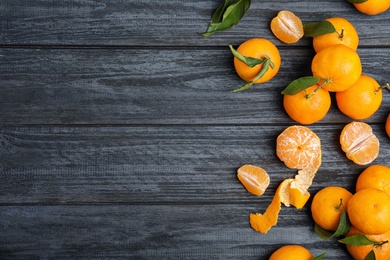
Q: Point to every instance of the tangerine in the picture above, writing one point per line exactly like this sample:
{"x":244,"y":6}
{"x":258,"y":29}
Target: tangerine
{"x":374,"y":176}
{"x":345,"y":34}
{"x":254,"y":179}
{"x":369,"y":211}
{"x":267,"y":54}
{"x":359,"y":143}
{"x":338,"y":66}
{"x":362,"y":99}
{"x":291,"y":252}
{"x":381,"y":247}
{"x":327,"y":206}
{"x":308,"y":106}
{"x":373,"y":7}
{"x":287,"y":27}
{"x":299,"y":147}
{"x":388,"y":125}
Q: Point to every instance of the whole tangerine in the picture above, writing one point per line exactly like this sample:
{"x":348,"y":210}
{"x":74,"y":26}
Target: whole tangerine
{"x":258,"y":48}
{"x":373,"y":7}
{"x":345,"y":34}
{"x":362,"y":99}
{"x":308,"y":106}
{"x":338,"y":66}
{"x":374,"y":176}
{"x":327,"y":206}
{"x":291,"y":252}
{"x":369,"y":211}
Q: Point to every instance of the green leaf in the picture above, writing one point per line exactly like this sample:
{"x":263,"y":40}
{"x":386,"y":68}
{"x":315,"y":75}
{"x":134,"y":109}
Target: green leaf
{"x":322,"y":233}
{"x":357,"y":1}
{"x":318,"y":28}
{"x":249,"y":61}
{"x":300,"y":84}
{"x":228,"y":14}
{"x":344,"y":225}
{"x":357,"y":240}
{"x":268,"y":63}
{"x":319,"y":257}
{"x":370,"y":256}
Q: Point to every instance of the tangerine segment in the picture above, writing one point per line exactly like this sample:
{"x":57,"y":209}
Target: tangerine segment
{"x":254,"y":179}
{"x":298,"y":147}
{"x":345,"y":34}
{"x":359,"y":143}
{"x":369,"y":211}
{"x":338,"y":66}
{"x":258,"y":48}
{"x":287,"y":27}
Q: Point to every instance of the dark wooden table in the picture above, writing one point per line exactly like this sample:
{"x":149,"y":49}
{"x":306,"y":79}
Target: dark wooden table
{"x":120,"y":139}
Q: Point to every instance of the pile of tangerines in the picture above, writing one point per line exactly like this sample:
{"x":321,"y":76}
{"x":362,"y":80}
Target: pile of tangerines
{"x":362,"y":218}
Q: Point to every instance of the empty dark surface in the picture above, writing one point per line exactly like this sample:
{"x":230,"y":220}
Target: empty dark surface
{"x":120,"y":138}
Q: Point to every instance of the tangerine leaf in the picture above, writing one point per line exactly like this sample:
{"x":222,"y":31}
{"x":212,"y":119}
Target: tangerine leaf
{"x":318,"y":28}
{"x":322,"y":233}
{"x":319,"y":257}
{"x":370,"y":255}
{"x":357,"y":240}
{"x":344,"y":225}
{"x":228,"y":14}
{"x":249,"y":61}
{"x":357,"y":1}
{"x":300,"y":84}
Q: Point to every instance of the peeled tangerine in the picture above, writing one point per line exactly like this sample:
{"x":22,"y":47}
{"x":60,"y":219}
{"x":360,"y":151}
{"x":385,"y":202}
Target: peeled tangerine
{"x":359,"y":143}
{"x":287,"y":27}
{"x":300,"y":148}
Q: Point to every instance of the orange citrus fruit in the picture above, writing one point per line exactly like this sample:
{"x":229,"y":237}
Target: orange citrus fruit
{"x":374,"y":176}
{"x":291,"y":252}
{"x":254,"y":179}
{"x":298,"y":147}
{"x":361,"y":100}
{"x":388,"y":125}
{"x":287,"y":27}
{"x":381,"y":247}
{"x":308,"y":106}
{"x":338,"y":66}
{"x":373,"y":7}
{"x":327,"y":206}
{"x":359,"y":143}
{"x":258,"y":48}
{"x":345,"y":34}
{"x":369,"y":211}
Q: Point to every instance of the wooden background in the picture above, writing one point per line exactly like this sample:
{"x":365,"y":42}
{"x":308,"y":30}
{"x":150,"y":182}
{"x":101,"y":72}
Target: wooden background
{"x":120,"y":139}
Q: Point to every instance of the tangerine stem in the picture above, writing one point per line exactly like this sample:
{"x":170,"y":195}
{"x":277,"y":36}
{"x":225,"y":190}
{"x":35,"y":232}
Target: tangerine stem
{"x":326,"y":81}
{"x":341,"y":35}
{"x":384,"y":86}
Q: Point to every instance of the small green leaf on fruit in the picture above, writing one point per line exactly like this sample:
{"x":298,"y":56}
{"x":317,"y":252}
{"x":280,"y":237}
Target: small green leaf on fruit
{"x":318,"y":28}
{"x":228,"y":14}
{"x":357,"y":1}
{"x":357,"y":240}
{"x":370,"y":255}
{"x":300,"y":84}
{"x":344,"y":225}
{"x":322,"y":233}
{"x":249,"y":61}
{"x":319,"y":257}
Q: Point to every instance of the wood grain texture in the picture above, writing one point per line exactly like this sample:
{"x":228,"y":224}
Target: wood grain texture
{"x":120,"y":139}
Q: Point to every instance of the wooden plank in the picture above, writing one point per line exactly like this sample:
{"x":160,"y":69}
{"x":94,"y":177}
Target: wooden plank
{"x":152,"y":232}
{"x":153,"y":86}
{"x":162,"y":23}
{"x":155,"y":165}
